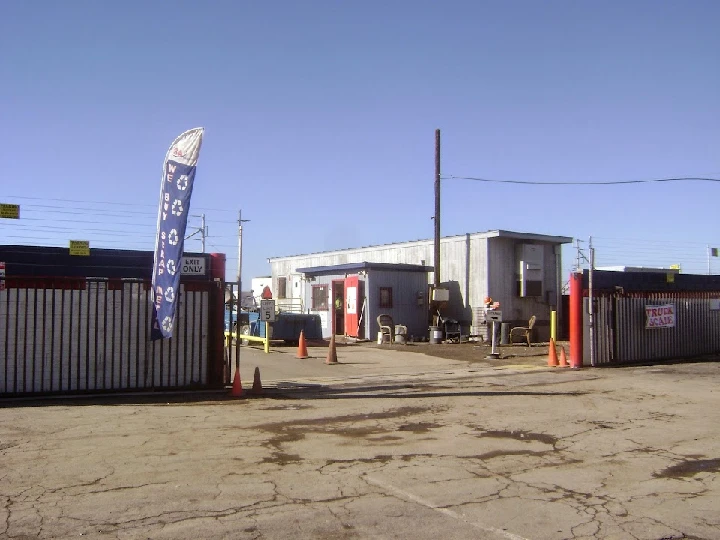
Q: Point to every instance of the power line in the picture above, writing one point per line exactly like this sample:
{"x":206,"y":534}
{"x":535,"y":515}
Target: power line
{"x":580,"y":183}
{"x":645,"y":241}
{"x":107,"y":202}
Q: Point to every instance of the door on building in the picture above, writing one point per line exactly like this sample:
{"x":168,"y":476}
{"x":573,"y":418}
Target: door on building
{"x":296,"y":288}
{"x":352,"y":306}
{"x":338,"y":308}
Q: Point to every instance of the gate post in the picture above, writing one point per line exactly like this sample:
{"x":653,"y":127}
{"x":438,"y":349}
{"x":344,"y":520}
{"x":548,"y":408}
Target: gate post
{"x":217,"y":318}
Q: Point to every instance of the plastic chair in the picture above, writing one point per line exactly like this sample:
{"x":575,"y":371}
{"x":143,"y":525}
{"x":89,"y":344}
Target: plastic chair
{"x":523,"y":331}
{"x":387,"y":328}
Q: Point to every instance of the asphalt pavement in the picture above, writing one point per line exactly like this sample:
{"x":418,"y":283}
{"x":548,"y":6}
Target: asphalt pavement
{"x":384,"y":444}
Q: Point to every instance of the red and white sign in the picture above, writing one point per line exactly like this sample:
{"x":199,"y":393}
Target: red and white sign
{"x":660,"y":316}
{"x":2,"y":276}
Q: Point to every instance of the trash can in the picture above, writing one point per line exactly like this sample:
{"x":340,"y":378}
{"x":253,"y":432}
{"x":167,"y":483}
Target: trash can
{"x":435,"y":335}
{"x":400,"y":334}
{"x":504,"y":333}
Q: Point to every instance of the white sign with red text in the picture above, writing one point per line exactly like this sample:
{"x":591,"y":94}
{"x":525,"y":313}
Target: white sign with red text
{"x":660,"y":316}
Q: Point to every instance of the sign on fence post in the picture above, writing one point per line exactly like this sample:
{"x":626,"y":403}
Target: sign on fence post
{"x":660,"y":316}
{"x":267,"y":310}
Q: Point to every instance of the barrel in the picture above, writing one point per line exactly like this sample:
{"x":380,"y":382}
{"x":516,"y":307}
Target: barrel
{"x":435,"y":335}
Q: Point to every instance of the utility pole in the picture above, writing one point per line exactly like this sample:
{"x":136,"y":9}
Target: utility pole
{"x":579,"y":253}
{"x":203,"y":232}
{"x":239,"y":268}
{"x":436,"y":277}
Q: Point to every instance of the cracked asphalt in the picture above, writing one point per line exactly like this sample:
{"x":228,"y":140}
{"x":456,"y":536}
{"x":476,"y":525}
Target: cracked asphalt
{"x":400,"y":448}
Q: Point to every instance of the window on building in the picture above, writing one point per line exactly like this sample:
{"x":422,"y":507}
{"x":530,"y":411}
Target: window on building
{"x":386,"y":300}
{"x":319,"y":297}
{"x":282,"y":287}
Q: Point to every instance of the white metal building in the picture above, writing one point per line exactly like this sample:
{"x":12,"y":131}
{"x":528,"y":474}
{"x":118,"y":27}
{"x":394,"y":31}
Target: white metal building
{"x":520,"y":270}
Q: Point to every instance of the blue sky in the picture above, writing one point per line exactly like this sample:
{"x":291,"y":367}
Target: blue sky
{"x":320,"y":119}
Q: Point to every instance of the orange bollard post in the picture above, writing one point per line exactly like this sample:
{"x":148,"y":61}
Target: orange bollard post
{"x":302,"y":347}
{"x":563,"y":358}
{"x":237,"y":389}
{"x":576,"y":362}
{"x":332,"y":353}
{"x":552,"y":355}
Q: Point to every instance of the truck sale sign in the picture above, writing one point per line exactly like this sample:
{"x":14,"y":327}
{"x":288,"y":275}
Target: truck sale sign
{"x":660,"y":316}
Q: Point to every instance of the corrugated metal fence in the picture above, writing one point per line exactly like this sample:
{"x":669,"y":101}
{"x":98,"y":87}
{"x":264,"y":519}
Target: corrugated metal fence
{"x":621,"y":335}
{"x":70,"y":335}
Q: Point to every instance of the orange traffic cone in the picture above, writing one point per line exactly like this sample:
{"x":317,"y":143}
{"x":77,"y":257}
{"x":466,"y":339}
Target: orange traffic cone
{"x":302,"y":347}
{"x":332,"y":354}
{"x":563,"y":358}
{"x":257,"y":385}
{"x":552,"y":355}
{"x":237,"y":390}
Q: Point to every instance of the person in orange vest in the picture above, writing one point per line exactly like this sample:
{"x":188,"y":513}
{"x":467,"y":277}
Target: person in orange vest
{"x":266,"y":293}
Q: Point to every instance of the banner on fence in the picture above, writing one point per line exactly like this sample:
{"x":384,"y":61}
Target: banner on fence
{"x":175,"y":191}
{"x":660,"y":316}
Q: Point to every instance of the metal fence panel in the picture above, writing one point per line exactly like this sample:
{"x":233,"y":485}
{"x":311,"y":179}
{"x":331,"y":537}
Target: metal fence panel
{"x":77,"y":335}
{"x":696,"y":330}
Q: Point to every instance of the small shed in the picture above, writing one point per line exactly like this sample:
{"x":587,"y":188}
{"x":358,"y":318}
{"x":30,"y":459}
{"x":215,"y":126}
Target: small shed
{"x":349,"y":297}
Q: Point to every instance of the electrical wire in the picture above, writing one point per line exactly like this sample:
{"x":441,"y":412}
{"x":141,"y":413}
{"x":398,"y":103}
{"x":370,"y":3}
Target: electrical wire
{"x":35,"y":209}
{"x":106,"y":202}
{"x":580,"y":183}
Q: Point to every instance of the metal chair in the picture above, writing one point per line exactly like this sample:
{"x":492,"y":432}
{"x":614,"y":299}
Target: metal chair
{"x":387,"y":328}
{"x":523,"y":331}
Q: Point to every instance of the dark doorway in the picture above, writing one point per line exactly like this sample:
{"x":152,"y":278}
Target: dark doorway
{"x":362,"y":302}
{"x":338,"y":308}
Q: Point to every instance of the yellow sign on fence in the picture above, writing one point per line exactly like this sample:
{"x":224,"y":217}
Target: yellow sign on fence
{"x":9,"y":211}
{"x":80,"y":247}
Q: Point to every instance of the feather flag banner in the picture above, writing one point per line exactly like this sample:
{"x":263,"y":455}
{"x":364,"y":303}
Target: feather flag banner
{"x":176,"y":188}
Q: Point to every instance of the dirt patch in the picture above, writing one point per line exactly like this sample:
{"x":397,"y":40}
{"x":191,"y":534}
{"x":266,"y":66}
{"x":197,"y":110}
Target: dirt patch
{"x":476,"y":353}
{"x":418,"y":427}
{"x":347,"y":426}
{"x":521,"y":436}
{"x":689,"y":468}
{"x":313,"y":424}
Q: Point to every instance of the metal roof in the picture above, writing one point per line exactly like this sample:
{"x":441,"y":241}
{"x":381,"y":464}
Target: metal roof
{"x":356,"y":267}
{"x":488,"y":234}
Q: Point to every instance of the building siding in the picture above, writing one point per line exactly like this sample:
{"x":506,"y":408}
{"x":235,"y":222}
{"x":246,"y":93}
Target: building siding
{"x":405,"y":307}
{"x":473,"y":266}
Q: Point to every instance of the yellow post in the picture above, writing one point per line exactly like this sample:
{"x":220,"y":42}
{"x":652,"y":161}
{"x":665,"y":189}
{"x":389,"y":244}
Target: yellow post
{"x":553,"y":325}
{"x":267,"y":337}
